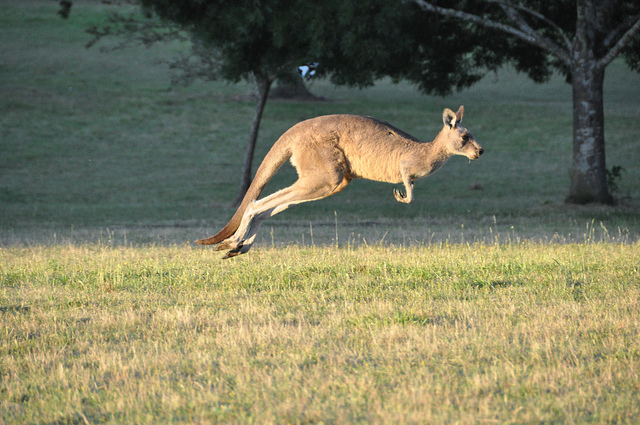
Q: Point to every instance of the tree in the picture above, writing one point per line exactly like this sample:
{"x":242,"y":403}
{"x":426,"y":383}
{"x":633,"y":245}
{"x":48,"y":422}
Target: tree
{"x":579,"y":38}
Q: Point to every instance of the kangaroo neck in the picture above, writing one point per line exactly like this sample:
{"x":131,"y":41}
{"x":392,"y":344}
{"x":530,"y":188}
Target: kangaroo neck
{"x":435,"y":153}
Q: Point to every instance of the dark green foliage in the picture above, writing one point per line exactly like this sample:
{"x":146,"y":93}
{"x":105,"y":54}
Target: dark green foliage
{"x":396,"y":39}
{"x":356,"y":43}
{"x":555,"y":20}
{"x":631,"y":54}
{"x":255,"y":38}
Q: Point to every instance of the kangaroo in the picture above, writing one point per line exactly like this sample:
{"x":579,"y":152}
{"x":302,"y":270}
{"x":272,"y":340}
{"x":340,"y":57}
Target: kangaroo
{"x":330,"y":151}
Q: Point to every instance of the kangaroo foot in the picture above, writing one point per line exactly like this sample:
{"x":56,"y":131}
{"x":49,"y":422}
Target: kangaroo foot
{"x":400,"y":196}
{"x":233,"y":253}
{"x":242,"y":248}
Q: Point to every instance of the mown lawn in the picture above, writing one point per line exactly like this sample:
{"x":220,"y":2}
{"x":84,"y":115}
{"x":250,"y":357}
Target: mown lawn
{"x":518,"y":333}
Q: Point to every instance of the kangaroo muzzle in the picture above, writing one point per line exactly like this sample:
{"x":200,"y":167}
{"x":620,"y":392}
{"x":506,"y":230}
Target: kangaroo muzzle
{"x":479,"y":151}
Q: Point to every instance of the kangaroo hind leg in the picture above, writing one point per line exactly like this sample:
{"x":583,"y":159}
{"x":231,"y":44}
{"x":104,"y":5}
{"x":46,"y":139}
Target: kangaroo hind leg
{"x":318,"y":181}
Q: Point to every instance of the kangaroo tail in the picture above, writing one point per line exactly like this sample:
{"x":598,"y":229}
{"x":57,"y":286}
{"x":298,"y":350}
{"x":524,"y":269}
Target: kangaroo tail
{"x":277,"y":156}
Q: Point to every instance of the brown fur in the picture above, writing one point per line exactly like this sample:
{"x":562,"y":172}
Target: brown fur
{"x":330,"y":151}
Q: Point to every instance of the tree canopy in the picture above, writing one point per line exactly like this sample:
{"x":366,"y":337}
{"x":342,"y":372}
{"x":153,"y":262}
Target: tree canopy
{"x":539,"y":36}
{"x":355,"y":42}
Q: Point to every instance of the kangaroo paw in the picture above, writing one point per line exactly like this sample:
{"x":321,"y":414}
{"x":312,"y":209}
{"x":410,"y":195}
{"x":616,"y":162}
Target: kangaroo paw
{"x":400,"y":196}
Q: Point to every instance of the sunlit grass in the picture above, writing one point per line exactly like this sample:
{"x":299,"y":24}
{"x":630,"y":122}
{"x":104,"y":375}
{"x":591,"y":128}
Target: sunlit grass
{"x":510,"y":333}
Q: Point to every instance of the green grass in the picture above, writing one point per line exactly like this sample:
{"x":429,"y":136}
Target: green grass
{"x":517,"y":333}
{"x":468,"y":306}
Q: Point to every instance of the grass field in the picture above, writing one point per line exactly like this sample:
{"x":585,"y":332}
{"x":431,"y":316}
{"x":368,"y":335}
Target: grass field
{"x":499,"y":305}
{"x":519,"y":333}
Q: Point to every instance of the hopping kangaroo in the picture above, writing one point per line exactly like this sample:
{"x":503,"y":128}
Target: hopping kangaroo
{"x":330,"y":151}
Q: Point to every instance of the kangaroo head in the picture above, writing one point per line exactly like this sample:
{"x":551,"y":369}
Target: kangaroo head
{"x":459,"y":140}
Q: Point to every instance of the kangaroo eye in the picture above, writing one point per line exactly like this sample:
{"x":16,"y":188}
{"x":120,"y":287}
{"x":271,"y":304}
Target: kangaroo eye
{"x":465,"y":138}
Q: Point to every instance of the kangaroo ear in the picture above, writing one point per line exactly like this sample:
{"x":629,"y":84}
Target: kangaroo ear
{"x":449,"y":118}
{"x":459,"y":114}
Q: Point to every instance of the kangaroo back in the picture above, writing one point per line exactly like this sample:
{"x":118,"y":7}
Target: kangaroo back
{"x":277,"y":156}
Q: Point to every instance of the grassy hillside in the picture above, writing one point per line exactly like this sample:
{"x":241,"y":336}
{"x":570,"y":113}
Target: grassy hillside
{"x":94,"y":140}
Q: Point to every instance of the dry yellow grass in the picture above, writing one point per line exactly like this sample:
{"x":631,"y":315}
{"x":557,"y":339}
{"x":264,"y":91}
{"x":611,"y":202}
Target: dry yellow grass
{"x":518,"y":333}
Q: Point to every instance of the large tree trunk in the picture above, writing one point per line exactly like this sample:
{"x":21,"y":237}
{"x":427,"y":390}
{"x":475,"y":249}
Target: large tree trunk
{"x":589,"y":172}
{"x":263,"y":85}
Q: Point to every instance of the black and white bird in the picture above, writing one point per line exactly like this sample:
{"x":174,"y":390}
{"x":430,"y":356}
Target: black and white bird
{"x":307,"y":70}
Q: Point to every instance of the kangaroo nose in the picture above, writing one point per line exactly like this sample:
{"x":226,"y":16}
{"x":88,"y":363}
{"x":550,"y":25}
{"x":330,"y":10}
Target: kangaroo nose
{"x":481,"y":151}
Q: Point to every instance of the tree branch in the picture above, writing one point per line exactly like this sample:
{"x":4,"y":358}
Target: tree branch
{"x":530,"y":36}
{"x":540,"y":16}
{"x":540,"y":40}
{"x":617,"y":48}
{"x":425,"y":5}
